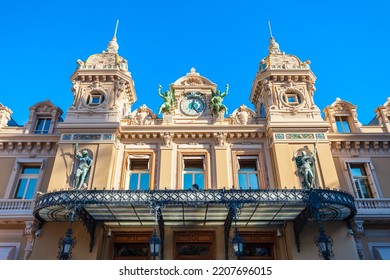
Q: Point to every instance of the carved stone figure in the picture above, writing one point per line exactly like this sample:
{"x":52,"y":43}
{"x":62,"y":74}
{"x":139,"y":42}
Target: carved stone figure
{"x":216,"y":100}
{"x":306,"y":166}
{"x":167,"y":138}
{"x":220,"y":137}
{"x":169,"y":101}
{"x":83,"y":163}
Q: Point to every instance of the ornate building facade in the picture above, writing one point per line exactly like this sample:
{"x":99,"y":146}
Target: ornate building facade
{"x":276,"y":182}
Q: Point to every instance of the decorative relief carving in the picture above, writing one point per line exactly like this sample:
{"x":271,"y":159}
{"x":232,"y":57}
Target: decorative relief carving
{"x":243,"y":115}
{"x":29,"y":232}
{"x":192,"y":81}
{"x":357,"y":148}
{"x":295,"y":136}
{"x":167,"y":138}
{"x":142,"y":116}
{"x":358,"y":232}
{"x":28,"y":149}
{"x":220,"y":138}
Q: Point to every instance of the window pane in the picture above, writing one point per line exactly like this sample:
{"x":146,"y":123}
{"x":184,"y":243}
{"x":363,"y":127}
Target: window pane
{"x":242,"y":182}
{"x":43,"y":125}
{"x":253,"y":181}
{"x":134,"y":181}
{"x":193,"y":250}
{"x":358,"y":170}
{"x":193,"y":164}
{"x":40,"y":124}
{"x":248,"y":164}
{"x":30,"y":170}
{"x":291,"y":98}
{"x":199,"y":180}
{"x":187,"y":181}
{"x":30,"y":189}
{"x":22,"y":184}
{"x":257,"y":249}
{"x":342,"y":125}
{"x":144,"y":181}
{"x":364,"y":187}
{"x":139,"y":164}
{"x":47,"y":125}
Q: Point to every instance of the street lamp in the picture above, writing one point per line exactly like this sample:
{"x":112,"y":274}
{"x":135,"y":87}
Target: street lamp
{"x":237,"y":244}
{"x":237,"y":241}
{"x":154,"y":245}
{"x":65,"y":246}
{"x":324,"y":244}
{"x":155,"y":242}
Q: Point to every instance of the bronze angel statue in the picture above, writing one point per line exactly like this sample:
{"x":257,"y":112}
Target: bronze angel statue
{"x":169,"y":101}
{"x":216,"y":100}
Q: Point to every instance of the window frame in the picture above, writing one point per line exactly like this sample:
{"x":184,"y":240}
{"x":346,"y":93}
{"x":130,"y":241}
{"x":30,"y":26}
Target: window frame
{"x":138,"y":171}
{"x":370,"y":173}
{"x":126,"y":172}
{"x":16,"y":172}
{"x":43,"y":131}
{"x":193,"y":154}
{"x":247,"y":173}
{"x":193,"y":172}
{"x":342,"y":119}
{"x":29,"y":177}
{"x":263,"y":182}
{"x":91,"y":96}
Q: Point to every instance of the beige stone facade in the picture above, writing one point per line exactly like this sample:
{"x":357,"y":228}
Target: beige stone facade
{"x":193,"y":174}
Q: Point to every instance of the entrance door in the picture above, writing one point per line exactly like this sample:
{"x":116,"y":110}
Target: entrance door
{"x":194,"y":245}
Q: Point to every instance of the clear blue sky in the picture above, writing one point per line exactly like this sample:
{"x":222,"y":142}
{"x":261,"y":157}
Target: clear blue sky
{"x":348,"y":43}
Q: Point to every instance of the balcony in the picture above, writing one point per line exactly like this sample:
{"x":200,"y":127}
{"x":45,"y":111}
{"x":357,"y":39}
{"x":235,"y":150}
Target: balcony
{"x":373,"y":207}
{"x":16,"y":208}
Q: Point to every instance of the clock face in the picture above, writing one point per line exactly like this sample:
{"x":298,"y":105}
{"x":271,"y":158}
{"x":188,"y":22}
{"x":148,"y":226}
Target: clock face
{"x":193,"y":104}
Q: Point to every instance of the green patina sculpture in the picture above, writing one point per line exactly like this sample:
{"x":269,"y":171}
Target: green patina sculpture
{"x":83,"y":164}
{"x":216,"y":100}
{"x":306,"y":166}
{"x":169,"y":101}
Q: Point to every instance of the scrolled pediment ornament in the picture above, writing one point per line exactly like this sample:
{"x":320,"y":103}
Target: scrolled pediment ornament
{"x":243,"y":115}
{"x":142,"y":116}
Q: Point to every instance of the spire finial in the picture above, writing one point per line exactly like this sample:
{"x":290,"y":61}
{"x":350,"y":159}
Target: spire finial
{"x":116,"y":27}
{"x":113,"y":45}
{"x":270,"y":30}
{"x":273,"y":47}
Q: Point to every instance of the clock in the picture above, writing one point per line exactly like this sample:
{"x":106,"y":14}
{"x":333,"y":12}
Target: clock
{"x":193,"y":104}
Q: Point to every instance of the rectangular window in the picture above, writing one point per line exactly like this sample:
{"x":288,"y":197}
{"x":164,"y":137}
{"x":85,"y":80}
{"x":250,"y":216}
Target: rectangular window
{"x":342,"y":124}
{"x":43,"y":125}
{"x":27,"y":182}
{"x":96,"y":99}
{"x":139,"y":174}
{"x":193,"y":172}
{"x":248,"y":173}
{"x":360,"y":180}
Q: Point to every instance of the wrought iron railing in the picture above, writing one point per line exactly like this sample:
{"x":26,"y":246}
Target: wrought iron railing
{"x":16,"y":205}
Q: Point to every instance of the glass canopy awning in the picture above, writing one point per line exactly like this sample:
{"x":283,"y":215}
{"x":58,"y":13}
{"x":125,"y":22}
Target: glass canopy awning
{"x":196,"y":208}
